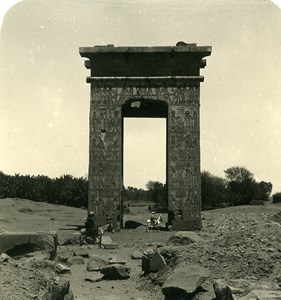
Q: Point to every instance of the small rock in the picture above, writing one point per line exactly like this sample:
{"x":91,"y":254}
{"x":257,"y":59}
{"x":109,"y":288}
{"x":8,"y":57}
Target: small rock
{"x":136,"y":255}
{"x":95,"y":277}
{"x":96,"y":262}
{"x":115,"y":271}
{"x":62,"y":269}
{"x":4,"y":257}
{"x":116,"y":260}
{"x":149,"y":252}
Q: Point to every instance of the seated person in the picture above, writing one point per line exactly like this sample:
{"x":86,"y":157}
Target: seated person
{"x":90,"y":225}
{"x":153,"y":218}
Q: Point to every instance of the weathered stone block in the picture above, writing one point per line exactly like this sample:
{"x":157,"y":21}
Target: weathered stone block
{"x":157,"y":262}
{"x":185,"y":280}
{"x":21,"y":243}
{"x":115,"y":271}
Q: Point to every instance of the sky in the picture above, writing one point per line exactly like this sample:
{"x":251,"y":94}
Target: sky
{"x":44,"y":98}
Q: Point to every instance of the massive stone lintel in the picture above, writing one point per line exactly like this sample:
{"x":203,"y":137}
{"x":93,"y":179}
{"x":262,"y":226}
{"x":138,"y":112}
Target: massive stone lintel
{"x":152,"y":82}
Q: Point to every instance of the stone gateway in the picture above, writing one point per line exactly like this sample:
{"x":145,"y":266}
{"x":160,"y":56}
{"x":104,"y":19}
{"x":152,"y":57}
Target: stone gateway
{"x":145,"y":82}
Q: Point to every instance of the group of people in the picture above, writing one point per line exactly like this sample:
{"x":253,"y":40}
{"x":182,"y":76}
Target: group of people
{"x":94,"y":232}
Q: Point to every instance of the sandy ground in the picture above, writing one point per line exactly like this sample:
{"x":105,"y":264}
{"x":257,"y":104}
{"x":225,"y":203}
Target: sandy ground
{"x":240,"y":242}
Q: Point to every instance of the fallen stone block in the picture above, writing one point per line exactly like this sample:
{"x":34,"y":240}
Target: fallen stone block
{"x":107,"y":243}
{"x":21,"y":243}
{"x":184,"y":280}
{"x":96,"y":262}
{"x":222,"y":290}
{"x":157,"y":262}
{"x":116,"y":260}
{"x":183,"y":238}
{"x":115,"y":271}
{"x":145,"y":264}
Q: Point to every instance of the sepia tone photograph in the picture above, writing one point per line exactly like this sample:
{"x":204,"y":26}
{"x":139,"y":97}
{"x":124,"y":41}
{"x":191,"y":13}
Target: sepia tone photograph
{"x":140,"y":150}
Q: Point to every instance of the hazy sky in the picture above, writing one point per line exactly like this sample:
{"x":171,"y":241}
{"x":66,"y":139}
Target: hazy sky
{"x":44,"y":98}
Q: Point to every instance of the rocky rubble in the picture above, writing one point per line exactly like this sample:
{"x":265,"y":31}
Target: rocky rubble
{"x":236,"y":255}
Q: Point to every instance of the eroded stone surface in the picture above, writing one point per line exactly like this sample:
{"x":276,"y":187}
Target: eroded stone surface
{"x":185,"y":279}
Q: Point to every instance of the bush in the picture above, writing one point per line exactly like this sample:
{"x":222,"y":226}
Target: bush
{"x":276,"y":198}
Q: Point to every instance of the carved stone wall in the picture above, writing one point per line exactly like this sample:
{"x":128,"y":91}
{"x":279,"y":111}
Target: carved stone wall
{"x":105,"y":170}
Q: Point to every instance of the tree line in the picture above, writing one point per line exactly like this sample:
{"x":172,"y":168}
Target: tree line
{"x":66,"y":189}
{"x":239,"y":187}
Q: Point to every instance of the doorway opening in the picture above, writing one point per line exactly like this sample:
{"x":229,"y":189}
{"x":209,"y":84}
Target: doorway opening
{"x":144,"y":157}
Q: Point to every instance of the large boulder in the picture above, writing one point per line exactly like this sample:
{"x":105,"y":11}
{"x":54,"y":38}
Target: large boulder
{"x":115,"y":271}
{"x":184,"y":280}
{"x":183,"y":238}
{"x":21,"y":243}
